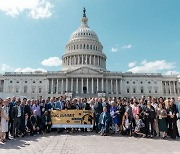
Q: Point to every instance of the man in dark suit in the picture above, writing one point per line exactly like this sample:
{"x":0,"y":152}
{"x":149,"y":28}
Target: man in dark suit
{"x":26,"y":125}
{"x":27,"y":107}
{"x":35,"y":121}
{"x":46,"y":122}
{"x":11,"y":105}
{"x":97,"y":111}
{"x":17,"y":115}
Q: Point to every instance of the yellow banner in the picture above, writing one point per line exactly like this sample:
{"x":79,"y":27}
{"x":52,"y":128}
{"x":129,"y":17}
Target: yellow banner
{"x":72,"y":118}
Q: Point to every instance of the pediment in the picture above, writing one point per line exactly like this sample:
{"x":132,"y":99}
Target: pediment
{"x":85,"y":70}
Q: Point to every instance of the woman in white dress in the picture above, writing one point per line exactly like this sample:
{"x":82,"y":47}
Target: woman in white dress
{"x":4,"y":119}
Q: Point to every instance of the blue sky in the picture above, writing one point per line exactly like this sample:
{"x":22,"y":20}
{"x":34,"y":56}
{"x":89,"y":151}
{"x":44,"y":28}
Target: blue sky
{"x":137,"y":35}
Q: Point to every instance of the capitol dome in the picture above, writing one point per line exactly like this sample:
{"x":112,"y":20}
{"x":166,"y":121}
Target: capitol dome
{"x":84,"y":49}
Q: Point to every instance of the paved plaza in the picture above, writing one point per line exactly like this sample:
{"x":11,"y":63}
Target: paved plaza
{"x":89,"y":142}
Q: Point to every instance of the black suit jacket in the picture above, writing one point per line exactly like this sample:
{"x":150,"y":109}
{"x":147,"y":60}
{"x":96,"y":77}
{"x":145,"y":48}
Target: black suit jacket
{"x":14,"y":113}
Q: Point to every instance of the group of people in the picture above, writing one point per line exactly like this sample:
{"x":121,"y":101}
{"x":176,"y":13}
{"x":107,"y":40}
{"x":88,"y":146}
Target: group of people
{"x":144,"y":117}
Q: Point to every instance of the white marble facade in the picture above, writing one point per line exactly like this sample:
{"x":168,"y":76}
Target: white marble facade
{"x":84,"y":74}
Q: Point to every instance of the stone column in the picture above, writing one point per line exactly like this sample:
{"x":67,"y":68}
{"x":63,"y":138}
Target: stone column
{"x":62,"y":86}
{"x":87,"y":86}
{"x":66,"y":84}
{"x":120,"y":85}
{"x":78,"y":59}
{"x":174,"y":87}
{"x":165,"y":87}
{"x":90,"y":59}
{"x":71,"y":84}
{"x":111,"y":87}
{"x":102,"y":85}
{"x":116,"y":87}
{"x":82,"y":59}
{"x":107,"y":86}
{"x":98,"y":60}
{"x":170,"y":87}
{"x":92,"y":86}
{"x":77,"y":86}
{"x":57,"y":87}
{"x":82,"y":85}
{"x":86,"y":60}
{"x":97,"y":84}
{"x":52,"y":87}
{"x":94,"y":60}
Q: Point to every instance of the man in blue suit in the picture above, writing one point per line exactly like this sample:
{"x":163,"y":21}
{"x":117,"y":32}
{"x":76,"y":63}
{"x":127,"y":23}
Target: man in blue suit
{"x":59,"y":105}
{"x":104,"y":121}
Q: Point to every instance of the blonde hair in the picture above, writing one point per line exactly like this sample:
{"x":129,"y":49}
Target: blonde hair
{"x":167,"y":105}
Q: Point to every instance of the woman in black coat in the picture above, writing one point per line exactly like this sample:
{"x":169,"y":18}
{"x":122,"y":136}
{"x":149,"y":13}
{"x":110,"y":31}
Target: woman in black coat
{"x":171,"y":118}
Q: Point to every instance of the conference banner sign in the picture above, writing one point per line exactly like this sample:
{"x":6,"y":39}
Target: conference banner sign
{"x":72,"y":119}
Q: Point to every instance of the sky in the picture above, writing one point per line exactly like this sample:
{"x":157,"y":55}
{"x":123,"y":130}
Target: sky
{"x":141,"y":36}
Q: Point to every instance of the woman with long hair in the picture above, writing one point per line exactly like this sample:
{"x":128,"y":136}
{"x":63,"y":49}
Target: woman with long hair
{"x":162,"y":115}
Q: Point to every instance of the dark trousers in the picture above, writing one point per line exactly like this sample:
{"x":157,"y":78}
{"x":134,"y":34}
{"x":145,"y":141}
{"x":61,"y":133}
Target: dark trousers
{"x":172,"y":128}
{"x":150,"y":126}
{"x":104,"y":127}
{"x":96,"y":121}
{"x":16,"y":125}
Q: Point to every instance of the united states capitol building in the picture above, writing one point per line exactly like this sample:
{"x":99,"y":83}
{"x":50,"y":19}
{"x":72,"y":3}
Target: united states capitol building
{"x":84,"y":74}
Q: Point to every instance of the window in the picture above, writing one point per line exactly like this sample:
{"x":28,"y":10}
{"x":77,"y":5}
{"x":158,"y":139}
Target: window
{"x":134,"y":82}
{"x":11,"y":81}
{"x":128,"y":90}
{"x":17,"y":82}
{"x":127,"y":82}
{"x":149,"y":82}
{"x":141,"y":82}
{"x":40,"y":81}
{"x":134,"y":90}
{"x":34,"y":82}
{"x":149,"y":91}
{"x":25,"y":81}
{"x":17,"y":90}
{"x":25,"y":89}
{"x":155,"y":91}
{"x":40,"y":90}
{"x":142,"y":91}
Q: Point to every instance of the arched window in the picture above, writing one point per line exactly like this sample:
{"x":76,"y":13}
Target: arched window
{"x":91,"y":47}
{"x":142,"y":90}
{"x":80,"y":46}
{"x":84,"y":46}
{"x":87,"y":46}
{"x":74,"y":47}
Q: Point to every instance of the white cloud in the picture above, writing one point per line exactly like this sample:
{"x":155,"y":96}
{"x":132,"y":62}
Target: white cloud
{"x":132,"y":64}
{"x":129,"y":46}
{"x":34,"y":8}
{"x":28,"y":69}
{"x":172,"y":73}
{"x":52,"y":61}
{"x":116,"y":48}
{"x":152,"y":67}
{"x":5,"y":68}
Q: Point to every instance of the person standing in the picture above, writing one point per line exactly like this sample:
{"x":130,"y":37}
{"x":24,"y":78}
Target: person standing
{"x":162,"y":115}
{"x":178,"y":110}
{"x":172,"y":118}
{"x":150,"y":115}
{"x":4,"y":119}
{"x":17,"y":113}
{"x":97,"y":112}
{"x":11,"y":105}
